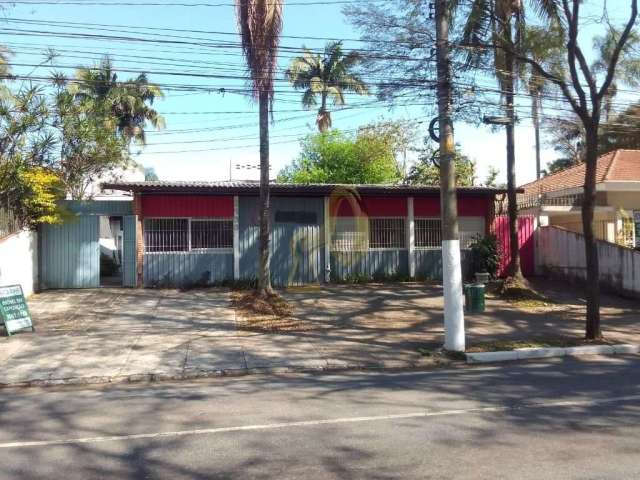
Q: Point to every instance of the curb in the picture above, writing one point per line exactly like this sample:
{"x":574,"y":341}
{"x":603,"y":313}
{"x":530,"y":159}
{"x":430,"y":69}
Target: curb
{"x":217,"y":373}
{"x":530,"y":353}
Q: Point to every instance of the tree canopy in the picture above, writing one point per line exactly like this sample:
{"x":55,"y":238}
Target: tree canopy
{"x":427,"y":172}
{"x":337,"y":157}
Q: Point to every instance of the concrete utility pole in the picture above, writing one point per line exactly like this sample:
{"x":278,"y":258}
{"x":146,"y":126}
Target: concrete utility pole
{"x":454,"y":338}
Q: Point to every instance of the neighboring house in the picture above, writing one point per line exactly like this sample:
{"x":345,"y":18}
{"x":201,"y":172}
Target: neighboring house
{"x":203,"y":233}
{"x":557,"y":198}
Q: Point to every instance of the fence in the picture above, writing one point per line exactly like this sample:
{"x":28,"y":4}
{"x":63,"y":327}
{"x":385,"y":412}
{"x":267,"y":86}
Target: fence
{"x":9,"y":224}
{"x":561,"y":253}
{"x":526,"y":226}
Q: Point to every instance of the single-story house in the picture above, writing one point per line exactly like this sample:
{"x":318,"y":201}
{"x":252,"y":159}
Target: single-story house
{"x":557,"y":198}
{"x":203,"y":233}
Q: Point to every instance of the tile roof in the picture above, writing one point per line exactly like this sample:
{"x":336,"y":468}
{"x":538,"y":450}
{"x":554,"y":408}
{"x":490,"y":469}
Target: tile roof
{"x":252,"y":188}
{"x":618,"y":165}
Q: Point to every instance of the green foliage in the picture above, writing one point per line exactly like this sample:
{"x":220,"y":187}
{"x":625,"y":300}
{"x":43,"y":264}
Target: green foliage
{"x":426,"y":172}
{"x":88,"y":142}
{"x":335,"y":157}
{"x":492,"y":177}
{"x":485,"y":255}
{"x":328,"y":76}
{"x":128,"y":103}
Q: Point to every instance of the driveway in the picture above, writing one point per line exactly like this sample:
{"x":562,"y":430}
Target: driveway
{"x":111,"y":334}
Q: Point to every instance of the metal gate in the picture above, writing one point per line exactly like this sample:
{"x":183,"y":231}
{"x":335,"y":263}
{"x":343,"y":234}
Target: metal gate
{"x":70,"y":254}
{"x":296,"y":254}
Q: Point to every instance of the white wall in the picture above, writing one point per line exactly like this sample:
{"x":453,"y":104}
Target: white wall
{"x":19,"y":261}
{"x":562,"y":252}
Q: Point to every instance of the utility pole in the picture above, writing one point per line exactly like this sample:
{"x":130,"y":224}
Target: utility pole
{"x":454,"y":337}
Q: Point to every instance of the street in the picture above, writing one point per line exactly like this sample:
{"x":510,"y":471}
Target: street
{"x":568,"y":418}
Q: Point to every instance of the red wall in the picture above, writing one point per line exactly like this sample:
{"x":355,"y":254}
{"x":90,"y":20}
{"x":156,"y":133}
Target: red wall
{"x":204,"y":206}
{"x":370,"y":206}
{"x":467,"y":206}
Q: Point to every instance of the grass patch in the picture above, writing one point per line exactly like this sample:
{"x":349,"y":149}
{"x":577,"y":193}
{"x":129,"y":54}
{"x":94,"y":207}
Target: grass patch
{"x":505,"y":345}
{"x":264,"y":314}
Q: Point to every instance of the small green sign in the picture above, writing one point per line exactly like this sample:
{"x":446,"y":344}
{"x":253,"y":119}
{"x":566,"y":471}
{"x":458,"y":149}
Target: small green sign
{"x":13,"y":310}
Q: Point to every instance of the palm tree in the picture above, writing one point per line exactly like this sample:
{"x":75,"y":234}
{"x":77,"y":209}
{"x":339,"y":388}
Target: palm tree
{"x":501,"y":24}
{"x":543,"y":45}
{"x":328,"y":76}
{"x":260,"y":25}
{"x":129,"y":102}
{"x":628,"y":71}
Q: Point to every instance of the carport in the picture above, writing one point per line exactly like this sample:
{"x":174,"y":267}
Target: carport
{"x":95,"y":237}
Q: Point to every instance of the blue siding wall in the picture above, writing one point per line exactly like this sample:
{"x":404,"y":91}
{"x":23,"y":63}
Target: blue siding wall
{"x":296,"y":249}
{"x":185,"y":269}
{"x":99,"y":207}
{"x":429,"y":263}
{"x":372,"y":264}
{"x":70,"y":254}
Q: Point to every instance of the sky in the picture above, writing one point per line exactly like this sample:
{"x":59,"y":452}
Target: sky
{"x":212,"y":133}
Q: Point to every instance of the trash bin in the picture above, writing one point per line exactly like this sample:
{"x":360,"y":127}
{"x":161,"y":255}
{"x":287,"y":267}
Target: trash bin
{"x":474,"y":297}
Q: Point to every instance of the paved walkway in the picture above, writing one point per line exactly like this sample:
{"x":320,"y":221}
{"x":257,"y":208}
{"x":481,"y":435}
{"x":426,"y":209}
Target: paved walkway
{"x":110,"y":334}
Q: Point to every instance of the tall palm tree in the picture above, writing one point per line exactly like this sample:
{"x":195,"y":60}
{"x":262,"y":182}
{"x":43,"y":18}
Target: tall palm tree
{"x":260,"y":25}
{"x":544,"y":45}
{"x":327,"y":76}
{"x":501,"y":24}
{"x":628,"y":71}
{"x":129,"y":102}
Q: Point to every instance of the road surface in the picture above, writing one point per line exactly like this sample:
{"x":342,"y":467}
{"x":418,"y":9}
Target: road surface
{"x":559,"y":420}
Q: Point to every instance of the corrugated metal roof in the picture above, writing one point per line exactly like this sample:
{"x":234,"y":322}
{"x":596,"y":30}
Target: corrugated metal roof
{"x":252,"y":188}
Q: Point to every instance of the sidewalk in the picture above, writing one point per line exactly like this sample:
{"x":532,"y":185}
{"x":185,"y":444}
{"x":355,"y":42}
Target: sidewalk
{"x":125,"y":335}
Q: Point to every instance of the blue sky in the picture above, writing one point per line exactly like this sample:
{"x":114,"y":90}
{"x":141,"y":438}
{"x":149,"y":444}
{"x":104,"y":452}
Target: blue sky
{"x":202,"y":140}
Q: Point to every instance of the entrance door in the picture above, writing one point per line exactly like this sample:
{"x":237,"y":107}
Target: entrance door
{"x":70,"y":254}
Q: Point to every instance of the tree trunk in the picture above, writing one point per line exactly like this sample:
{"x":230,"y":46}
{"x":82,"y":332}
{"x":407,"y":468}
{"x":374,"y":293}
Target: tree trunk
{"x":592,"y":289}
{"x":264,"y":278}
{"x":514,"y":265}
{"x":454,"y":335}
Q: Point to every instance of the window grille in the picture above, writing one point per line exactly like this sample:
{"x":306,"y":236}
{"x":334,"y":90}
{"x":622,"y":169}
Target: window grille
{"x":387,"y":233}
{"x":428,"y":232}
{"x":183,"y":234}
{"x":166,"y":235}
{"x":350,"y":234}
{"x":211,"y":234}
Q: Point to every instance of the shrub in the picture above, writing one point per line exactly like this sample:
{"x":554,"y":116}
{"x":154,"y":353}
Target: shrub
{"x":485,"y":256}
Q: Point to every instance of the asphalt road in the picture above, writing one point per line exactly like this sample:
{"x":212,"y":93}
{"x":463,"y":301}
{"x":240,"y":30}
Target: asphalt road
{"x":557,"y":420}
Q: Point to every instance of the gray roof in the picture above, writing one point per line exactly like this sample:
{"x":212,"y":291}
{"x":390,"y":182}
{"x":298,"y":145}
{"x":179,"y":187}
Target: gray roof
{"x":313,"y":189}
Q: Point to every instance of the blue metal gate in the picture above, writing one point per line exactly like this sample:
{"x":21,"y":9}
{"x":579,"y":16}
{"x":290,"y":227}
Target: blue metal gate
{"x":70,"y":254}
{"x":129,"y":274}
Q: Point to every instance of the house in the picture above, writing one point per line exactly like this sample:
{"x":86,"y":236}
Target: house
{"x":204,"y":233}
{"x":556,"y":199}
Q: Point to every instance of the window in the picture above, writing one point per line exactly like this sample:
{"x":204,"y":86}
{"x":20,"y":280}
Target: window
{"x":211,"y":234}
{"x":299,"y":217}
{"x":350,"y":234}
{"x":184,"y":234}
{"x":386,"y":233}
{"x":428,"y":232}
{"x":166,"y":235}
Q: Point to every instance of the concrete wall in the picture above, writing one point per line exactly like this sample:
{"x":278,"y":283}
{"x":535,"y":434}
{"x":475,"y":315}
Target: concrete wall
{"x":19,"y":261}
{"x":561,"y":253}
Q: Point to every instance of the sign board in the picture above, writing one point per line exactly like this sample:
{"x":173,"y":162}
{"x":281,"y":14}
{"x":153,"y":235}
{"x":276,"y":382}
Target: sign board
{"x":13,"y":309}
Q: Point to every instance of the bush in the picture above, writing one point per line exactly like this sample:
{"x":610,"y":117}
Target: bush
{"x":485,"y":257}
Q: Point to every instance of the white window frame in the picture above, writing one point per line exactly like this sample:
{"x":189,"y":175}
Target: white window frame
{"x":418,"y":247}
{"x":189,"y":249}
